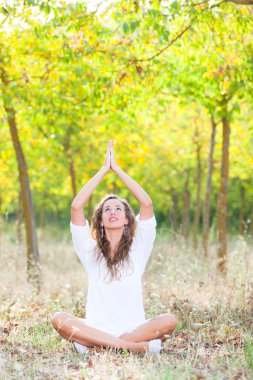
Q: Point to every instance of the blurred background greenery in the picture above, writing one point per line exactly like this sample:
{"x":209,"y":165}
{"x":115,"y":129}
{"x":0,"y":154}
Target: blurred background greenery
{"x":170,"y":82}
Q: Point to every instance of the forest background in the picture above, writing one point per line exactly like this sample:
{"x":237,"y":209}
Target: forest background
{"x":170,"y":82}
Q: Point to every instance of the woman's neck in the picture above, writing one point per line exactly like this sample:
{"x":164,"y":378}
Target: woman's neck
{"x":114,"y":236}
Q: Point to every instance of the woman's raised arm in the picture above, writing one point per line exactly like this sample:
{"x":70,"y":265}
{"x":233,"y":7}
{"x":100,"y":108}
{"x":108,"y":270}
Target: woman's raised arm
{"x":77,"y":213}
{"x":146,"y":206}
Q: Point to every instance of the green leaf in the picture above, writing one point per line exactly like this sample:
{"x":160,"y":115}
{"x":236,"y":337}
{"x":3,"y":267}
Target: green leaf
{"x":125,"y":27}
{"x":175,"y":6}
{"x":164,"y":37}
{"x":134,"y":25}
{"x":152,"y":12}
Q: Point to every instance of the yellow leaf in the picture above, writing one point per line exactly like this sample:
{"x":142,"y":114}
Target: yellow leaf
{"x":55,"y":76}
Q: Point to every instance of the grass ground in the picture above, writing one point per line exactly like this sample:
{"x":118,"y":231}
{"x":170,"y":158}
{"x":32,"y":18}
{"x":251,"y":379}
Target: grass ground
{"x":213,"y":339}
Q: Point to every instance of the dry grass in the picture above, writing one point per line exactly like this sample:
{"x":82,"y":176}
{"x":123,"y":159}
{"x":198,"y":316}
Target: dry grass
{"x":212,"y":341}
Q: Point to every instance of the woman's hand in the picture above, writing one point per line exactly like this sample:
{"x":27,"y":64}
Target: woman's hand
{"x":107,"y":163}
{"x":114,"y":165}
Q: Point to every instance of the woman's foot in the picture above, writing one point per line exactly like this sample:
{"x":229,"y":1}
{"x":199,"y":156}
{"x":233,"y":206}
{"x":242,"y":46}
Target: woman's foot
{"x":81,"y":349}
{"x":155,"y":346}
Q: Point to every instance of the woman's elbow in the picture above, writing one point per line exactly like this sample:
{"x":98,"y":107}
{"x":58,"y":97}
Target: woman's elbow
{"x":75,"y":206}
{"x":148,"y":203}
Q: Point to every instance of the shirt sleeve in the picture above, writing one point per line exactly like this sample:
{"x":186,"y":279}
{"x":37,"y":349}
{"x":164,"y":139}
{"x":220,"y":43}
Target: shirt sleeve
{"x":82,"y":240}
{"x":145,"y":236}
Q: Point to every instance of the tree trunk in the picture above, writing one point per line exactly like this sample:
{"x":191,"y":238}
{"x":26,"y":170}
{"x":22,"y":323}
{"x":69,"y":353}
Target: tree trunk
{"x":251,"y":223}
{"x":20,"y":215}
{"x":242,"y":2}
{"x":33,"y":269}
{"x":173,"y":215}
{"x":198,"y":198}
{"x":115,"y":188}
{"x":186,"y":209}
{"x":206,"y":208}
{"x":136,"y":5}
{"x":222,"y":199}
{"x":1,"y":202}
{"x":1,"y":213}
{"x":73,"y":176}
{"x":242,"y":205}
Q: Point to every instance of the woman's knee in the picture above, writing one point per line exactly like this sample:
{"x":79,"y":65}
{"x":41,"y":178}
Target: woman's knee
{"x":58,"y":320}
{"x":170,"y":322}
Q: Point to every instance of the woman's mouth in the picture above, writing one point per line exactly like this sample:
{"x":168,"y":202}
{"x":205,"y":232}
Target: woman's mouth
{"x":113,"y":219}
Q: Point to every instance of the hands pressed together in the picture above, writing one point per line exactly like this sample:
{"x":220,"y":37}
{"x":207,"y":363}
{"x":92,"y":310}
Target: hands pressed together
{"x":145,"y":202}
{"x":110,"y":162}
{"x":146,"y":209}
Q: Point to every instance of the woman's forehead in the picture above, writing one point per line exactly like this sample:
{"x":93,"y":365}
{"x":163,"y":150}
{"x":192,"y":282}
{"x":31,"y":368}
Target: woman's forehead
{"x":113,"y":202}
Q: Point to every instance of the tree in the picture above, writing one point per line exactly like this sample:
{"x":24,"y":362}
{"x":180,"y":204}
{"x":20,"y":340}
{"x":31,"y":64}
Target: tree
{"x":33,"y":269}
{"x":208,"y":191}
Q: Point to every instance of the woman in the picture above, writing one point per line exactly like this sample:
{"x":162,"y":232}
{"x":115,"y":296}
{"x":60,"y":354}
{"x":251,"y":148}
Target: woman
{"x":114,"y":257}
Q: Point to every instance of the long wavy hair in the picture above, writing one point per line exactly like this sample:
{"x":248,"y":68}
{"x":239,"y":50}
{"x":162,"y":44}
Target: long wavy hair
{"x":121,"y":256}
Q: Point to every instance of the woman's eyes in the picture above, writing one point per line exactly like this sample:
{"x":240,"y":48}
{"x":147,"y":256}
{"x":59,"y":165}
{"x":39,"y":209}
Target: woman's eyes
{"x":117,"y":209}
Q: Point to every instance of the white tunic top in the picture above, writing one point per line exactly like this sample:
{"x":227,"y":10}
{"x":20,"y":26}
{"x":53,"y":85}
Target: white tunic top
{"x":115,"y":306}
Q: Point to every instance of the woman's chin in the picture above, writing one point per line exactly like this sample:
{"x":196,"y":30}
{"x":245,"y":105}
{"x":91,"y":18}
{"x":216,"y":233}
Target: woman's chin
{"x":113,"y":226}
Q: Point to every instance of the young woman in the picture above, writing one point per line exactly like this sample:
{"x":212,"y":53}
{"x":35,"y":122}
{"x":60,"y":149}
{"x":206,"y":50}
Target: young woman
{"x":114,"y":255}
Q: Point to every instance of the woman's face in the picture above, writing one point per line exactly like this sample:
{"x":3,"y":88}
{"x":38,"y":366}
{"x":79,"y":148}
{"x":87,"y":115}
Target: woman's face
{"x":113,"y":214}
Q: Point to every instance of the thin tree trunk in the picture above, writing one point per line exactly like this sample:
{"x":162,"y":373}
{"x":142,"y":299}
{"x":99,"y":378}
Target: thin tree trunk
{"x":136,"y":5}
{"x":115,"y":188}
{"x":73,"y":176}
{"x":251,"y":223}
{"x":242,"y":206}
{"x":222,"y":199}
{"x":1,"y":202}
{"x":33,"y":270}
{"x":20,"y":215}
{"x":206,"y":209}
{"x":173,"y":215}
{"x":198,"y":198}
{"x":186,"y":208}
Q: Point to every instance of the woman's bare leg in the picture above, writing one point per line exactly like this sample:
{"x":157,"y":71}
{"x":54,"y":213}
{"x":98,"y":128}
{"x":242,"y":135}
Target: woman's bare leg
{"x":73,"y":329}
{"x":155,"y":328}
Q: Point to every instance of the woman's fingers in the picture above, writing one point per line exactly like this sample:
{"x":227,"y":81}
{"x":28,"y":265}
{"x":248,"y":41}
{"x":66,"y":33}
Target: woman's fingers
{"x":112,"y":151}
{"x":107,"y":163}
{"x":114,"y":165}
{"x":110,"y":147}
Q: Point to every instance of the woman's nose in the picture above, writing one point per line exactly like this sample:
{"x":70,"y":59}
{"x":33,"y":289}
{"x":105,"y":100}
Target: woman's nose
{"x":112,"y":211}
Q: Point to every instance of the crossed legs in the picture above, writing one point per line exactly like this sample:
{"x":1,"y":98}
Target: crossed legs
{"x":154,"y":328}
{"x":72,"y":329}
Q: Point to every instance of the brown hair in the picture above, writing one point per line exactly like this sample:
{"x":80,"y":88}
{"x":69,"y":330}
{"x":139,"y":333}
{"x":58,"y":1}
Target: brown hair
{"x":121,"y":256}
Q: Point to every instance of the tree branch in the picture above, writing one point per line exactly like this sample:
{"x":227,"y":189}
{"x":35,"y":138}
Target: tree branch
{"x":217,"y":4}
{"x":241,"y":2}
{"x":166,"y":47}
